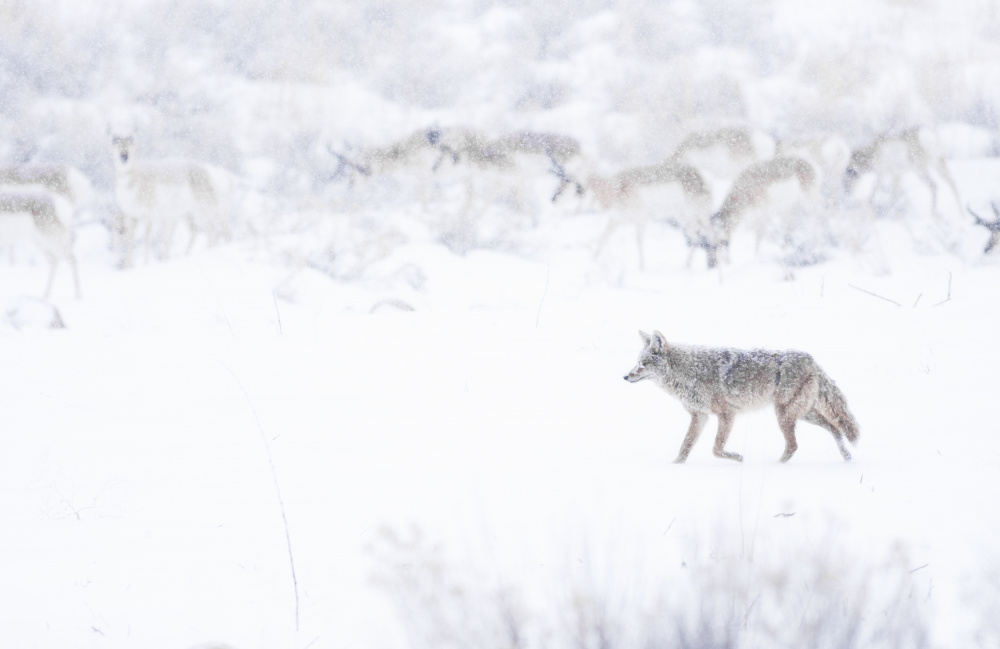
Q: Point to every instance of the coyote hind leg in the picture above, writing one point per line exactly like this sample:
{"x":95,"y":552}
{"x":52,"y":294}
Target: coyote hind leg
{"x":698,"y":420}
{"x":725,"y":427}
{"x":800,"y":402}
{"x":813,"y":417}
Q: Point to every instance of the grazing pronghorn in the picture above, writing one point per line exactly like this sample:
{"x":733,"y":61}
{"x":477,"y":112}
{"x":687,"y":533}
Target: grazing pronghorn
{"x":36,"y":215}
{"x":62,"y":180}
{"x":748,"y":191}
{"x":724,"y":152}
{"x":889,"y":157}
{"x":156,"y":195}
{"x":992,"y":226}
{"x":382,"y":159}
{"x":501,"y":153}
{"x":499,"y":171}
{"x":458,"y":145}
{"x":829,"y":154}
{"x":619,"y":190}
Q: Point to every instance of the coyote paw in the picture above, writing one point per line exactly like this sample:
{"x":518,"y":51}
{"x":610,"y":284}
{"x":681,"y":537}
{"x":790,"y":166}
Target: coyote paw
{"x":680,"y":459}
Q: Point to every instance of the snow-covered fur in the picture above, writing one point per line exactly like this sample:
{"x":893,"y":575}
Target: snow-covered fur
{"x":724,"y":382}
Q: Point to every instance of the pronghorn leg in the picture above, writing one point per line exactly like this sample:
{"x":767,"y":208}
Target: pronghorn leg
{"x":925,"y":176}
{"x":191,"y":238}
{"x":640,"y":231}
{"x":613,"y":224}
{"x":53,"y":262}
{"x":71,"y":260}
{"x":148,"y":240}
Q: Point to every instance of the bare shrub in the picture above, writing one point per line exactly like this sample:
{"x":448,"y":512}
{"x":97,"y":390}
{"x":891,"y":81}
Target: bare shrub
{"x":791,"y":598}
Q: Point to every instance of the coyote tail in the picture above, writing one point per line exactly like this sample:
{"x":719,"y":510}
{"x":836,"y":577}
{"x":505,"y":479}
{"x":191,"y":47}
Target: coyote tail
{"x":834,"y":405}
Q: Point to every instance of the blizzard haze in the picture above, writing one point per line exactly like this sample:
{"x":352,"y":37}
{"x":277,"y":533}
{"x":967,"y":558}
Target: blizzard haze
{"x":371,"y":395}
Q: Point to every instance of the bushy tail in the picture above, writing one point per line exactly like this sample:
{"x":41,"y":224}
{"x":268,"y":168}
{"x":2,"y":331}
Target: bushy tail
{"x":833,"y":406}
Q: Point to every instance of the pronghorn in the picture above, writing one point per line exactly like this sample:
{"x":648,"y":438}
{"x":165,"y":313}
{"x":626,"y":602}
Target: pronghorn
{"x":724,"y":152}
{"x":992,"y":226}
{"x":499,"y":171}
{"x":62,"y":180}
{"x":829,"y":154}
{"x":501,"y":153}
{"x":48,"y":231}
{"x":156,"y":195}
{"x":619,"y":190}
{"x":748,"y":191}
{"x":890,"y":157}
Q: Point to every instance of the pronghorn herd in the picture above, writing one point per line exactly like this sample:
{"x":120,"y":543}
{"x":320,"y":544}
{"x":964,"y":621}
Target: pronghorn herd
{"x":713,"y":182}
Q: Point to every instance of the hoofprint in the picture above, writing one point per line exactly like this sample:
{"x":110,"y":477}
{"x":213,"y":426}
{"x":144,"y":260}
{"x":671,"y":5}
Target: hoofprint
{"x":725,"y":382}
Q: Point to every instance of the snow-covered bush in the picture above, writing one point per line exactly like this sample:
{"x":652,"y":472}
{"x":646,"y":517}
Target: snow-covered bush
{"x":786,"y":596}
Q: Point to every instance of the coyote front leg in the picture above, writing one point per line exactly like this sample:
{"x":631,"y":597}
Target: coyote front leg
{"x":725,"y":427}
{"x":698,"y":420}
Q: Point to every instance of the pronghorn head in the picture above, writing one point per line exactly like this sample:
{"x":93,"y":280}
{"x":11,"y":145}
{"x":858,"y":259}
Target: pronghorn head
{"x":122,"y":148}
{"x":650,"y":357}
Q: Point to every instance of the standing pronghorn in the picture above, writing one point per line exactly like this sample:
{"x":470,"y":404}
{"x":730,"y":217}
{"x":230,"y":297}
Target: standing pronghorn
{"x":890,"y":157}
{"x":35,"y":213}
{"x":748,"y":191}
{"x":618,"y":191}
{"x":157,"y":195}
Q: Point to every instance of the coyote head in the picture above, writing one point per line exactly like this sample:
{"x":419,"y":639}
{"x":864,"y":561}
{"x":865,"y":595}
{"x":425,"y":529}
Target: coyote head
{"x":650,"y":357}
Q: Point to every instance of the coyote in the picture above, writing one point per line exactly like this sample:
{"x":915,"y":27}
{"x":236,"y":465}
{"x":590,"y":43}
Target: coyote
{"x":728,"y":381}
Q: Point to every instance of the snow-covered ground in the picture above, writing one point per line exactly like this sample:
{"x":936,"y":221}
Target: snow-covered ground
{"x":389,"y":411}
{"x":154,"y":445}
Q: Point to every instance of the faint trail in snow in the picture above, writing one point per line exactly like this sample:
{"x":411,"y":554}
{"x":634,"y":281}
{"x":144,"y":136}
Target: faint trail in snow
{"x":277,"y":489}
{"x":275,"y":298}
{"x":548,"y":269}
{"x":218,"y":303}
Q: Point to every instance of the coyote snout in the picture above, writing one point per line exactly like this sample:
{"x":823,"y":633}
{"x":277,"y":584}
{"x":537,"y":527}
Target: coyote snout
{"x":725,"y":381}
{"x":637,"y":374}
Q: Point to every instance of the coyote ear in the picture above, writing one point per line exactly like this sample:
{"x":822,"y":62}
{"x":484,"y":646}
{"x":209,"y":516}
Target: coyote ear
{"x":657,"y":341}
{"x":645,"y":337}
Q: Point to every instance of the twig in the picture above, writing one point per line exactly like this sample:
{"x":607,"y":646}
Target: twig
{"x":784,"y":515}
{"x":277,"y":489}
{"x":275,"y":298}
{"x":548,"y":269}
{"x":947,"y":299}
{"x":874,"y":295}
{"x":918,"y":300}
{"x":217,"y":302}
{"x":920,"y":568}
